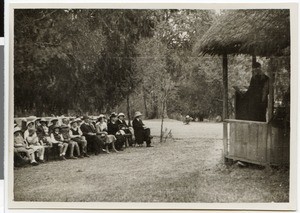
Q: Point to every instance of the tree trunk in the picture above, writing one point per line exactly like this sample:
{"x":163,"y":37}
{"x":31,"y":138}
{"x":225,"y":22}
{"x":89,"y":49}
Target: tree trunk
{"x":165,"y":114}
{"x":128,"y":110}
{"x":162,"y":121}
{"x":155,"y":108}
{"x":145,"y":103}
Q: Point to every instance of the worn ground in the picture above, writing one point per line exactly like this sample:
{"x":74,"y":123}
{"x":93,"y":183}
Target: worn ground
{"x":187,"y":168}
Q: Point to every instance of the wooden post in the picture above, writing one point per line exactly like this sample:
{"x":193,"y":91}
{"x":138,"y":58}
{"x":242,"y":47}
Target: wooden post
{"x":271,"y":89}
{"x":271,"y":69}
{"x":225,"y":105}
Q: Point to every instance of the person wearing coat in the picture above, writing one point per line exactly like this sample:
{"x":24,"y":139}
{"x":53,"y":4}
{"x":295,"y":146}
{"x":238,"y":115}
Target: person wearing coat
{"x":123,"y":126}
{"x":90,"y":134}
{"x":141,"y":132}
{"x":113,"y":129}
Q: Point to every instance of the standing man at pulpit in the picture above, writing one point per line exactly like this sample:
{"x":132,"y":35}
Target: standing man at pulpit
{"x":254,"y":101}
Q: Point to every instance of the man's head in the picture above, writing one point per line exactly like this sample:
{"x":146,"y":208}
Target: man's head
{"x":257,"y":69}
{"x":113,"y":116}
{"x":86,"y":118}
{"x":65,"y":121}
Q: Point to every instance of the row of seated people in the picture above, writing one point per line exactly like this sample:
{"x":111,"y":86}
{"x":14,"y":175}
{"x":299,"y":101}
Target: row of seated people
{"x":79,"y":136}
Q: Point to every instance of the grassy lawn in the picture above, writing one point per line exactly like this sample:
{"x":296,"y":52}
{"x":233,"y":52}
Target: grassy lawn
{"x":187,"y":168}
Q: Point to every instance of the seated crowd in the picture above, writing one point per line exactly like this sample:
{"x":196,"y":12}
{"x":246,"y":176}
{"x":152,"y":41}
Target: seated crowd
{"x":77,"y":137}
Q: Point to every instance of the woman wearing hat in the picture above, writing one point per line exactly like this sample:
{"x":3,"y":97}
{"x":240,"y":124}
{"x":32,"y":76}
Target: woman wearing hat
{"x":21,"y":146}
{"x":101,"y":128}
{"x":113,"y":129}
{"x":141,"y":132}
{"x":123,"y":126}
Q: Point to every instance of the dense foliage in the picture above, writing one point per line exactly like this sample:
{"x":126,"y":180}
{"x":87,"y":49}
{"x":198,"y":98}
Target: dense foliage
{"x":91,"y":61}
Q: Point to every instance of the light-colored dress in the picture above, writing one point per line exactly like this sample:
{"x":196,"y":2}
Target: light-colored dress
{"x":102,"y":127}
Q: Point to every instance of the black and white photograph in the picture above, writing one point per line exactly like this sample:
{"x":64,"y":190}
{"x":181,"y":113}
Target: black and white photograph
{"x":151,"y":105}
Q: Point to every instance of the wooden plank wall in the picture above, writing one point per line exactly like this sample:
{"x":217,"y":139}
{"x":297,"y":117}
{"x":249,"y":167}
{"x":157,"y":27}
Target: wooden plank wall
{"x":249,"y":141}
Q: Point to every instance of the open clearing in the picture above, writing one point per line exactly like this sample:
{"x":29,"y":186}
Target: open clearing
{"x":187,"y":168}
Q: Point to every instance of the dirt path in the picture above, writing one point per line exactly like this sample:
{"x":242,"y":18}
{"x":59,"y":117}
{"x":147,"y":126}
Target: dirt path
{"x":186,"y":169}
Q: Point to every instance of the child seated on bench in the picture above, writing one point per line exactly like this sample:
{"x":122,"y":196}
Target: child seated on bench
{"x":77,"y":136}
{"x":58,"y":139}
{"x":33,"y":142}
{"x":42,"y":132}
{"x":21,"y":146}
{"x":67,"y":139}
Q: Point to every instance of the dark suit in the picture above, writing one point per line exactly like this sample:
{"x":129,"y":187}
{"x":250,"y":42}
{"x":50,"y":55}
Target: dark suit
{"x":94,"y":143}
{"x":141,"y":134}
{"x":257,"y":98}
{"x":112,"y":129}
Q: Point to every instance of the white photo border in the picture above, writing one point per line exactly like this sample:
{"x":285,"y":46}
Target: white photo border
{"x":9,"y":114}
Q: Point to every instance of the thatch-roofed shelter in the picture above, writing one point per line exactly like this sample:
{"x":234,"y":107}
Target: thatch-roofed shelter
{"x":256,"y":32}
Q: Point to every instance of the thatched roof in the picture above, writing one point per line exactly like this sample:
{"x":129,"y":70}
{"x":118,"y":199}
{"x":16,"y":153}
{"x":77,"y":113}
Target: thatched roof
{"x":260,"y":32}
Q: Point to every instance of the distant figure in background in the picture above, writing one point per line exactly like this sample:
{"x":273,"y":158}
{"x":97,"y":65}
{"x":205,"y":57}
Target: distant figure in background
{"x":141,"y":132}
{"x":187,"y":119}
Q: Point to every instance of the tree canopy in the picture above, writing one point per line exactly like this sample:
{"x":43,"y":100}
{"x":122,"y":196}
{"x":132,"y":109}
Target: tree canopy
{"x":102,"y":60}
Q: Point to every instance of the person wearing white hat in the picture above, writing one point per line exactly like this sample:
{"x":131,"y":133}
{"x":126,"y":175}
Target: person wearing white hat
{"x":29,"y":125}
{"x":33,"y":142}
{"x":187,"y":119}
{"x":21,"y":146}
{"x":141,"y":132}
{"x":101,"y":129}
